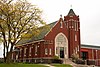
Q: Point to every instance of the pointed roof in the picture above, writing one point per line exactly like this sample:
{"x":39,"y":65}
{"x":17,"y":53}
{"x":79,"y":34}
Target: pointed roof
{"x":71,"y":13}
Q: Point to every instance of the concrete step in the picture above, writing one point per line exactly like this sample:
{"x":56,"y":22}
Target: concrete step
{"x":68,"y":61}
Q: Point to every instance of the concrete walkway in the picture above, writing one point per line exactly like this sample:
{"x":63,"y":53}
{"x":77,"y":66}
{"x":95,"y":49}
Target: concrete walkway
{"x":48,"y":65}
{"x":67,"y":61}
{"x":77,"y":65}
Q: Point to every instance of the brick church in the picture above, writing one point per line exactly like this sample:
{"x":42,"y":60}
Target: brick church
{"x":62,"y":40}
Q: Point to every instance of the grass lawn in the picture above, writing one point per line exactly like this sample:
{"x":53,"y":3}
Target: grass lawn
{"x":32,"y":65}
{"x":21,"y":65}
{"x":61,"y":65}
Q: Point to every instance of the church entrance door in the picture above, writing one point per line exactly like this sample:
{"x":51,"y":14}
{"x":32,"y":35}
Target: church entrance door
{"x":61,"y":52}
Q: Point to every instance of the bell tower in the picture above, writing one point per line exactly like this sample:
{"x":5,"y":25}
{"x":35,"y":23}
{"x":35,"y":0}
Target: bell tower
{"x":73,"y":27}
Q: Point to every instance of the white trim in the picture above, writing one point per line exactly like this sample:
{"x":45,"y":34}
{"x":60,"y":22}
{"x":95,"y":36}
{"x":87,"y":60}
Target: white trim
{"x":65,"y":47}
{"x":29,"y":43}
{"x":89,"y":47}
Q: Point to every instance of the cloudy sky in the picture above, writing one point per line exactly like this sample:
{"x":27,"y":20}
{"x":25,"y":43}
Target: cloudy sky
{"x":88,"y":11}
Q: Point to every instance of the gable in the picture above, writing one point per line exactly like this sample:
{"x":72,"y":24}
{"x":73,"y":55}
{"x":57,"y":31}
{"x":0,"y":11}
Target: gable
{"x":59,"y":27}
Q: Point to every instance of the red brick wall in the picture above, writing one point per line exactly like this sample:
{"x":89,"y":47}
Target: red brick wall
{"x":93,"y":54}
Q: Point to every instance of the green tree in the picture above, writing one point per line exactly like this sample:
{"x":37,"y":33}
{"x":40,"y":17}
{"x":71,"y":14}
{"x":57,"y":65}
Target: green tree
{"x":17,"y":19}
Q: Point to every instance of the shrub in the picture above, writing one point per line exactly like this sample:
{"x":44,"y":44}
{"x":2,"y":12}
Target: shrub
{"x":74,"y":57}
{"x":49,"y":61}
{"x":57,"y":61}
{"x":80,"y":61}
{"x":90,"y":62}
{"x":56,"y":57}
{"x":1,"y":61}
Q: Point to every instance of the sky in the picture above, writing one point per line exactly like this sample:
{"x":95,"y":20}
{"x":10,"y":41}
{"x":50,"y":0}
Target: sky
{"x":88,"y":11}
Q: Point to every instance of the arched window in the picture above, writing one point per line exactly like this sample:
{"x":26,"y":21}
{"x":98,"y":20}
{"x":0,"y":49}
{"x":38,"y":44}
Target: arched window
{"x":25,"y":50}
{"x":75,"y":37}
{"x":61,"y":25}
{"x":61,"y":39}
{"x":36,"y":50}
{"x":50,"y":51}
{"x":46,"y":51}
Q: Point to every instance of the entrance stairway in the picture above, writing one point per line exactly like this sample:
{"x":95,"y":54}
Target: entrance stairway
{"x":68,"y":61}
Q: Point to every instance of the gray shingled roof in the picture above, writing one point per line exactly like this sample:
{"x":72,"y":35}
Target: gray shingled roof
{"x":71,"y":13}
{"x":41,"y":35}
{"x":90,"y":46}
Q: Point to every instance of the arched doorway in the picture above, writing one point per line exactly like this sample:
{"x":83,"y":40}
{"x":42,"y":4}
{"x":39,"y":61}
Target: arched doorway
{"x":61,"y":46}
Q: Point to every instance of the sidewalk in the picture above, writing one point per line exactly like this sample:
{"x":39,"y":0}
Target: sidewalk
{"x":48,"y":65}
{"x":67,"y":61}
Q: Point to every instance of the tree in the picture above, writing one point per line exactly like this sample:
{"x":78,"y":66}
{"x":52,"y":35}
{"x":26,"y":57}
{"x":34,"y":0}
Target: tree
{"x":17,"y":19}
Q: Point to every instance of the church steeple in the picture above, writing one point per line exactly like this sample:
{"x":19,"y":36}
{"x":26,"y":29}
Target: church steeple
{"x":71,"y":13}
{"x":73,"y":27}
